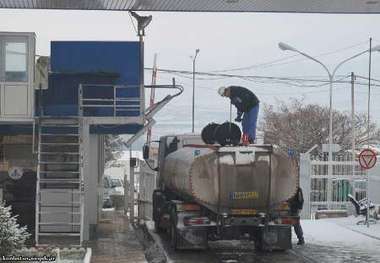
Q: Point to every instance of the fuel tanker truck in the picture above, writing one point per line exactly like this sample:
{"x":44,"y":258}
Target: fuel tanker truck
{"x":209,"y":191}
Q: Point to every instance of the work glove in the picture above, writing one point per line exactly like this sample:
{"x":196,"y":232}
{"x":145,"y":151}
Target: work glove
{"x":238,"y":119}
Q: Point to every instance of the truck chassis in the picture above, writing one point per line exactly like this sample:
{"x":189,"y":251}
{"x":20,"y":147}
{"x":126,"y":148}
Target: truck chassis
{"x":191,"y":225}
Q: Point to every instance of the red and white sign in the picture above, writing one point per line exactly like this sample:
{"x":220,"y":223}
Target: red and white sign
{"x":367,"y":159}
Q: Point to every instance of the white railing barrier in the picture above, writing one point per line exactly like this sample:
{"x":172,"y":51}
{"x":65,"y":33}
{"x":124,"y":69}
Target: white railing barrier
{"x":347,"y":178}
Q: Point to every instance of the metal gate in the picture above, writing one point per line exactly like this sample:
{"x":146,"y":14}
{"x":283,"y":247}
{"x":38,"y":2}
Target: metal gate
{"x":329,"y":192}
{"x":147,"y":184}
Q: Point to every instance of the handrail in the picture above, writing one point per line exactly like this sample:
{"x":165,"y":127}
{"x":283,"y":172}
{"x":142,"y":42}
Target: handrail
{"x":120,"y":104}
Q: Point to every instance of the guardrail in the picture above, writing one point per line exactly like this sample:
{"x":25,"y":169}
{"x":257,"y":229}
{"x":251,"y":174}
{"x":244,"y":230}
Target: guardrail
{"x":109,"y":100}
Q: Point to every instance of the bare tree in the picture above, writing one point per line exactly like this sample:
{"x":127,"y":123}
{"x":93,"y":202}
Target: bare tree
{"x":299,"y":126}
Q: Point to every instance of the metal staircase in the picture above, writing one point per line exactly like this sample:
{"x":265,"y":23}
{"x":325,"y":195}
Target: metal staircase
{"x":59,"y":188}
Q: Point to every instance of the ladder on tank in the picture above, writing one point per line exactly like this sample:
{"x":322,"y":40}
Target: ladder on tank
{"x":59,"y":188}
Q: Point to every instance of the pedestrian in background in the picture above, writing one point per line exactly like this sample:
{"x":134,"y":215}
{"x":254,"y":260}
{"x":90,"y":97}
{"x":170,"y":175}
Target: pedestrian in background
{"x":295,"y":205}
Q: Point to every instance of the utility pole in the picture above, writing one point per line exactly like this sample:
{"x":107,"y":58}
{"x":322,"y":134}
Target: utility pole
{"x":193,"y":104}
{"x":152,"y":96}
{"x":368,"y":120}
{"x":353,"y":129}
{"x":353,"y":112}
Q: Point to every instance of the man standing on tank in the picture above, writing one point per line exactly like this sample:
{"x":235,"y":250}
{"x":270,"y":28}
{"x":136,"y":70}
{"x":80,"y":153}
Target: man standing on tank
{"x":245,"y":102}
{"x":295,"y":205}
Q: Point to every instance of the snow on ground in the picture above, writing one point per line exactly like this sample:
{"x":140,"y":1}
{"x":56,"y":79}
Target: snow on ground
{"x":372,"y":231}
{"x":342,"y":232}
{"x":337,"y":240}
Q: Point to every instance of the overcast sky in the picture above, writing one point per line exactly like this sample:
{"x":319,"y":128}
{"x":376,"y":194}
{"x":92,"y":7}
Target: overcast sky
{"x":226,"y":41}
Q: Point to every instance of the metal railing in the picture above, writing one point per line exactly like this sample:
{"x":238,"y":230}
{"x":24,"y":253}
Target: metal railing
{"x":322,"y":191}
{"x":108,"y":100}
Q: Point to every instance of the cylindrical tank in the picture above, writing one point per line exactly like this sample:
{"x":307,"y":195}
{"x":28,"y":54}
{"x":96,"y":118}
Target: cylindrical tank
{"x":228,"y":178}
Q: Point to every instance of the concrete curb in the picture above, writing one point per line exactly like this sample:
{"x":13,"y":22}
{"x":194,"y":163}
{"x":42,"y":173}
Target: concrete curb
{"x":87,"y":257}
{"x":153,"y":248}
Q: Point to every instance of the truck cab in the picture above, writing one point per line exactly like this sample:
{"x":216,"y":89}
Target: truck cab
{"x":171,"y":143}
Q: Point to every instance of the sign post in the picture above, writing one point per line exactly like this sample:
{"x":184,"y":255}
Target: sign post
{"x":367,"y":160}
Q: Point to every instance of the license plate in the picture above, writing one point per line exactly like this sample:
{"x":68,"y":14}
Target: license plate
{"x":245,"y":212}
{"x":244,"y":195}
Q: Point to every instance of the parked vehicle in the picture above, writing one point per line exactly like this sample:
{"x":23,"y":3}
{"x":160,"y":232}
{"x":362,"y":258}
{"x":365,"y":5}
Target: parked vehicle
{"x":113,"y":194}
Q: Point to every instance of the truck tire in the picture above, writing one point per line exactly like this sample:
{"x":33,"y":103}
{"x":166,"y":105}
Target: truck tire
{"x":157,"y":227}
{"x":173,"y":237}
{"x":157,"y":203}
{"x":258,"y":245}
{"x":173,"y":228}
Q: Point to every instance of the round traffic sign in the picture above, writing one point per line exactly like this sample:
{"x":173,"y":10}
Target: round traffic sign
{"x":367,"y":159}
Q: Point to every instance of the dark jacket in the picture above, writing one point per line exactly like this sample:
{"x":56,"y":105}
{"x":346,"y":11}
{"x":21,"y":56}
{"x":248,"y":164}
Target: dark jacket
{"x":296,"y":202}
{"x":243,"y":99}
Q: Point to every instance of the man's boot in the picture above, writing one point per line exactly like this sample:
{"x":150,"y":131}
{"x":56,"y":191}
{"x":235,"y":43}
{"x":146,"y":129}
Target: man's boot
{"x":245,"y":139}
{"x":301,"y":241}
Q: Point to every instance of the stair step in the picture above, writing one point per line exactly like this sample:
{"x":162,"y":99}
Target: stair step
{"x":57,"y":191}
{"x":60,"y":172}
{"x":44,"y":162}
{"x":60,"y":134}
{"x":59,"y":143}
{"x":65,"y":205}
{"x":60,"y":153}
{"x":42,"y":180}
{"x":59,"y":223}
{"x":59,"y":180}
{"x":59,"y":124}
{"x":58,"y":234}
{"x":65,"y":212}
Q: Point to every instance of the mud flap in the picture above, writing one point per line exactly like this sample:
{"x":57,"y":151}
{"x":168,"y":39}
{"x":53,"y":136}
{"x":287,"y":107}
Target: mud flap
{"x":274,"y":237}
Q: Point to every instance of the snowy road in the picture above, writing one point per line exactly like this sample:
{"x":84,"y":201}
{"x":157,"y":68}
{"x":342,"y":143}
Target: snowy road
{"x":329,"y":241}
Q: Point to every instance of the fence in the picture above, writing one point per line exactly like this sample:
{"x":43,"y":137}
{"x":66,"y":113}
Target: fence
{"x":147,"y":184}
{"x":323,"y":191}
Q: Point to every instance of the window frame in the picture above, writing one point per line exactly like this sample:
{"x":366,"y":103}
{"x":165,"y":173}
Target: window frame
{"x":13,"y":39}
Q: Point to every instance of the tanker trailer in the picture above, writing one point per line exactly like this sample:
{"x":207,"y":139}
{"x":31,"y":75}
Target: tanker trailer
{"x":209,"y":192}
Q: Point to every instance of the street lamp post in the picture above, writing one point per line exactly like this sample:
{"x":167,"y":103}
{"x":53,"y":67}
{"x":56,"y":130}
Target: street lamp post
{"x":192,"y":115}
{"x":286,"y":47}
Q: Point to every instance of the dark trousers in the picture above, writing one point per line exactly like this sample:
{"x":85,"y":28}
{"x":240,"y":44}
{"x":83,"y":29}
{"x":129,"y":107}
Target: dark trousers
{"x":298,"y":230}
{"x":297,"y":226}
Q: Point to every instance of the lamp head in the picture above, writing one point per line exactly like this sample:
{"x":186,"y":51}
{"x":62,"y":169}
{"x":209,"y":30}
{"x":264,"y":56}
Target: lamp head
{"x":142,"y":22}
{"x":286,"y":47}
{"x":197,"y":51}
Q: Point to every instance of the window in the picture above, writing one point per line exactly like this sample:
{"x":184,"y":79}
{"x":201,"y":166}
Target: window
{"x":16,"y":62}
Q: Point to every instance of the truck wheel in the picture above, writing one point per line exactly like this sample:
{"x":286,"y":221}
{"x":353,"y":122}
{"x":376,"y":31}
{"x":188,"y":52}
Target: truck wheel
{"x":173,"y":228}
{"x":156,"y":198}
{"x":157,"y":227}
{"x":173,"y":237}
{"x":258,"y":245}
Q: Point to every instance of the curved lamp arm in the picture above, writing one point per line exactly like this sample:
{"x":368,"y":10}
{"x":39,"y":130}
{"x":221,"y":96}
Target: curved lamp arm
{"x":286,"y":47}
